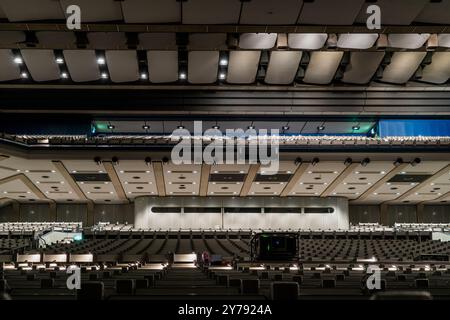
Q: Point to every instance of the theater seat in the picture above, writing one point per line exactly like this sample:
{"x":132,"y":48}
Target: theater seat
{"x":4,"y":287}
{"x":250,"y":286}
{"x":151,"y":279}
{"x":47,"y":283}
{"x":222,"y":280}
{"x":234,"y":283}
{"x":31,"y":277}
{"x":141,"y":283}
{"x":91,"y":291}
{"x":328,"y":283}
{"x":264,"y":275}
{"x":93,"y":277}
{"x":125,"y":286}
{"x":298,"y":279}
{"x":402,"y":295}
{"x":422,"y":283}
{"x":284,"y":290}
{"x":278,"y":277}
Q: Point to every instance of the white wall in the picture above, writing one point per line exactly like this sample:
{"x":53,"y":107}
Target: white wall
{"x":146,"y":218}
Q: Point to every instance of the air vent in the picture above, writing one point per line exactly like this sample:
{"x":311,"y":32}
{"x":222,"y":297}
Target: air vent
{"x":226,"y":177}
{"x":273,"y":178}
{"x":91,"y":177}
{"x":409,"y":178}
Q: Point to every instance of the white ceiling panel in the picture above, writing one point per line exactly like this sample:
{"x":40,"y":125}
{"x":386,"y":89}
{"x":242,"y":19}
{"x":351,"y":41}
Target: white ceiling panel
{"x":8,"y":69}
{"x":157,"y":41}
{"x":162,"y":66}
{"x":407,"y":41}
{"x":438,"y":71}
{"x":322,"y":67}
{"x":82,"y":65}
{"x":98,"y":10}
{"x":357,"y":40}
{"x":444,"y":40}
{"x":122,"y":65}
{"x":402,"y":67}
{"x":362,"y":67}
{"x":394,"y":12}
{"x":330,"y":12}
{"x":41,"y":64}
{"x":242,"y":66}
{"x":211,"y":11}
{"x":17,"y":190}
{"x":11,"y":37}
{"x":151,"y":11}
{"x":56,"y":39}
{"x":435,"y":12}
{"x":257,"y":40}
{"x":106,"y":40}
{"x":270,"y":12}
{"x":307,"y":41}
{"x":25,"y":10}
{"x":137,"y":178}
{"x":207,"y":41}
{"x":182,"y":180}
{"x":282,"y":67}
{"x":203,"y":66}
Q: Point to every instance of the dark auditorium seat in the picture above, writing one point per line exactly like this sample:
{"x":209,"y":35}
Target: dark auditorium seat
{"x":91,"y":291}
{"x":402,"y":295}
{"x":422,"y":283}
{"x":250,"y":286}
{"x":284,"y":290}
{"x":125,"y":286}
{"x":47,"y":283}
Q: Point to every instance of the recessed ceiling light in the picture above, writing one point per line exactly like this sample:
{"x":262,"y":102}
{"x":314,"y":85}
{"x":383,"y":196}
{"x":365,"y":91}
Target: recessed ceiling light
{"x":143,"y":76}
{"x":145,"y":127}
{"x":355,"y":128}
{"x":222,"y":76}
{"x":251,"y":127}
{"x":320,"y":128}
{"x":104,"y":75}
{"x":223,"y":62}
{"x":403,"y":172}
{"x":182,"y":75}
{"x":382,"y":172}
{"x":59,"y":60}
{"x":216,"y":127}
{"x":375,"y":193}
{"x":24,"y":75}
{"x":180,"y":127}
{"x":101,"y":61}
{"x":18,"y":60}
{"x":110,"y":126}
{"x":64,"y":75}
{"x":285,"y":128}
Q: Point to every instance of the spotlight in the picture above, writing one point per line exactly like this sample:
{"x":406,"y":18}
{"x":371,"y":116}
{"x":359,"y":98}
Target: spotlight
{"x":320,"y":128}
{"x":355,"y":128}
{"x":143,"y":76}
{"x":182,"y":75}
{"x":415,"y":162}
{"x":398,"y":162}
{"x":365,"y":162}
{"x":145,"y":127}
{"x":115,"y":161}
{"x":348,"y":161}
{"x":148,"y":161}
{"x":298,"y":161}
{"x":251,"y":127}
{"x":285,"y":128}
{"x":222,"y":76}
{"x":180,"y":127}
{"x":315,"y":161}
{"x":64,"y":75}
{"x":104,"y":75}
{"x":110,"y":127}
{"x":98,"y":160}
{"x":216,"y":127}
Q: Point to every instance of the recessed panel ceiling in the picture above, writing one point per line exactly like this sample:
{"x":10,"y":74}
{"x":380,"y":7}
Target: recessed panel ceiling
{"x":203,"y":66}
{"x":307,"y":41}
{"x":25,"y":10}
{"x":211,"y":11}
{"x":106,"y":40}
{"x":82,"y":65}
{"x":157,"y":41}
{"x":151,"y":11}
{"x":438,"y":71}
{"x":322,"y":67}
{"x":207,"y":41}
{"x":162,"y":66}
{"x":282,"y":67}
{"x":362,"y":67}
{"x":122,"y":65}
{"x":257,"y":40}
{"x":330,"y":12}
{"x":8,"y":69}
{"x":56,"y":39}
{"x":270,"y":12}
{"x":243,"y":66}
{"x":41,"y":64}
{"x":11,"y":37}
{"x":98,"y":10}
{"x":394,"y":12}
{"x":407,"y":41}
{"x":357,"y":40}
{"x":402,"y":67}
{"x":444,"y":40}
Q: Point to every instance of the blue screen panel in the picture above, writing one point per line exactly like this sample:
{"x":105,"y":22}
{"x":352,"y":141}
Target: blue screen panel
{"x":414,"y":128}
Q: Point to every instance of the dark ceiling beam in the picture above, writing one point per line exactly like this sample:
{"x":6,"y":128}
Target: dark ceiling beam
{"x":214,"y":28}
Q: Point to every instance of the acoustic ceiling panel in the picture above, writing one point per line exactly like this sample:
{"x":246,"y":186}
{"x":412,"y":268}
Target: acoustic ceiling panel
{"x":151,"y":11}
{"x":438,"y":71}
{"x":270,"y":12}
{"x":211,"y":11}
{"x":122,"y":65}
{"x":407,"y":41}
{"x":362,"y":67}
{"x":157,"y":41}
{"x":322,"y":67}
{"x":207,"y":41}
{"x":8,"y":69}
{"x":106,"y":40}
{"x":82,"y":65}
{"x":394,"y":12}
{"x":437,"y":12}
{"x":162,"y":66}
{"x":243,"y":66}
{"x":98,"y":10}
{"x":307,"y":41}
{"x":257,"y":40}
{"x":357,"y":40}
{"x":56,"y":39}
{"x":41,"y":64}
{"x":330,"y":12}
{"x":11,"y":37}
{"x":402,"y":67}
{"x":283,"y":67}
{"x":444,"y":40}
{"x":25,"y":10}
{"x":203,"y":66}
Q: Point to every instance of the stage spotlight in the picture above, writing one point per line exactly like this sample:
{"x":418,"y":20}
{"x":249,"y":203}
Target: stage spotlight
{"x":115,"y":161}
{"x":298,"y":161}
{"x":365,"y":162}
{"x":415,"y":162}
{"x":398,"y":162}
{"x":98,"y":160}
{"x":315,"y":161}
{"x":348,"y":161}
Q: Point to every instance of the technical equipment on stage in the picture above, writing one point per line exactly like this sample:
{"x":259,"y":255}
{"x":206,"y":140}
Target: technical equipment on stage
{"x":274,"y":246}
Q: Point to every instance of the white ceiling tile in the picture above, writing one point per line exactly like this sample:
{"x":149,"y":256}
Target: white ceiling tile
{"x":307,"y":41}
{"x":8,"y":69}
{"x":265,"y":12}
{"x":151,"y":11}
{"x":41,"y":64}
{"x":357,"y":40}
{"x":82,"y":65}
{"x":203,"y":66}
{"x":322,"y":67}
{"x":211,"y":11}
{"x":242,"y":66}
{"x":257,"y":40}
{"x":283,"y":67}
{"x":25,"y":10}
{"x":162,"y":66}
{"x":407,"y":41}
{"x":362,"y":67}
{"x":402,"y":67}
{"x":122,"y":65}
